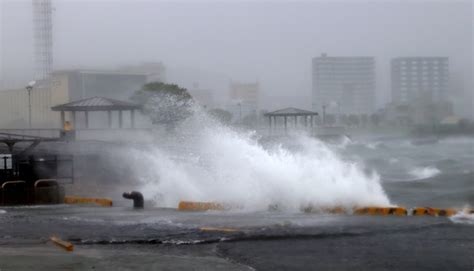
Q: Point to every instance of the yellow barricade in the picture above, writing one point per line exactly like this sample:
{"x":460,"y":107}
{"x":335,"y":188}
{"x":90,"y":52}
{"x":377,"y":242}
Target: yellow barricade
{"x":79,"y":200}
{"x":200,"y":206}
{"x":421,"y":211}
{"x":381,"y":211}
{"x":63,"y":244}
{"x":334,"y":210}
{"x":213,"y":229}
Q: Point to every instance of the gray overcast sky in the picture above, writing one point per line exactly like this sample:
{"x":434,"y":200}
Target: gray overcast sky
{"x":269,"y":41}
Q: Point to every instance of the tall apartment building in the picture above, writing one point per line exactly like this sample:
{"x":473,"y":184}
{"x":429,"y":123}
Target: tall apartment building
{"x":344,"y":85}
{"x":244,"y":98}
{"x":419,"y":79}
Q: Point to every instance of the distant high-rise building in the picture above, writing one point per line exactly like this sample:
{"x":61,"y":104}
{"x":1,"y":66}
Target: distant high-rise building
{"x":344,"y":85}
{"x":419,"y":79}
{"x":243,"y":99}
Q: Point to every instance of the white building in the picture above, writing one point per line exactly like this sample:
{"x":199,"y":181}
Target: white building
{"x":419,"y":79}
{"x":344,"y":85}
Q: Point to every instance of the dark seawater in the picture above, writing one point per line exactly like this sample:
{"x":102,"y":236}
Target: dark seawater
{"x":437,"y":174}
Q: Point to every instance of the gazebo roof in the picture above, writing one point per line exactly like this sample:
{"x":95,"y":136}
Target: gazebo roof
{"x":291,"y":111}
{"x":96,"y":104}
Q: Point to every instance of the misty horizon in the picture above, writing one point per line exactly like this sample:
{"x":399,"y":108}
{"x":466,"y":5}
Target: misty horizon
{"x":211,"y":43}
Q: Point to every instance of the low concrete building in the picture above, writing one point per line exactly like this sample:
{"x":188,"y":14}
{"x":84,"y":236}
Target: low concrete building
{"x":63,"y":87}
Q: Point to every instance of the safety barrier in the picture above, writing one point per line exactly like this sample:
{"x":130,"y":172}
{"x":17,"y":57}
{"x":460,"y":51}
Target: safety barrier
{"x":14,"y":193}
{"x":62,"y":244}
{"x":427,"y":211}
{"x":79,"y":200}
{"x":47,"y":192}
{"x":399,"y":211}
{"x":200,"y":206}
{"x":376,"y":211}
{"x":334,"y":210}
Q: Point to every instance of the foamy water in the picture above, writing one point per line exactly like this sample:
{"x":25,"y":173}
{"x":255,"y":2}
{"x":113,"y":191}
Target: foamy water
{"x":232,"y":167}
{"x":463,"y":218}
{"x":421,"y":173}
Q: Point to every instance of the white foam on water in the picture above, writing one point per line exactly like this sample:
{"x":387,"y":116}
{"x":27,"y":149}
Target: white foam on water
{"x":463,"y":218}
{"x":234,"y":168}
{"x":344,"y":142}
{"x":421,"y":173}
{"x":3,"y":211}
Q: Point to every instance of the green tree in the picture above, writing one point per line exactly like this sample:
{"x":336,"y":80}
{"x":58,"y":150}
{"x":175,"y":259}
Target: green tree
{"x":221,"y":115}
{"x":165,"y":104}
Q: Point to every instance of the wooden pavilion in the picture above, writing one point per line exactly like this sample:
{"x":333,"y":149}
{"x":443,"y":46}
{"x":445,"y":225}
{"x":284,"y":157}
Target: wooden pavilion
{"x":97,"y":104}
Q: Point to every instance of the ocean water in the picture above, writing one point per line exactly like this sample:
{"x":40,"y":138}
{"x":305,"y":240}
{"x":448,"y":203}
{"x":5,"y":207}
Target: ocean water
{"x":439,"y":174}
{"x":267,"y":182}
{"x":208,"y":161}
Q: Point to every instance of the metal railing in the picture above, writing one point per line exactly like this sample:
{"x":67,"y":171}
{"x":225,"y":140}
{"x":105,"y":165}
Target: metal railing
{"x":30,"y":133}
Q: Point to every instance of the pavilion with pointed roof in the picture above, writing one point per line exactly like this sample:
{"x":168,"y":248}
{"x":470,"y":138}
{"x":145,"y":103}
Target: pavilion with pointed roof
{"x":291,"y":112}
{"x":95,"y":104}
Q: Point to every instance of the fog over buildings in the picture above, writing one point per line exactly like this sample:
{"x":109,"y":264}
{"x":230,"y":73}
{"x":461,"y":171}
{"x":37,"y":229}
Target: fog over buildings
{"x":272,"y":43}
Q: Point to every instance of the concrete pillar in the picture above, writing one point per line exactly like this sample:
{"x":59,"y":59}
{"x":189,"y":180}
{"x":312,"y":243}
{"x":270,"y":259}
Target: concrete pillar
{"x":74,"y":126}
{"x":132,"y":118}
{"x":87,"y":119}
{"x":286,"y":123}
{"x":296,"y":120}
{"x":109,"y":118}
{"x":63,"y":119}
{"x":120,"y":119}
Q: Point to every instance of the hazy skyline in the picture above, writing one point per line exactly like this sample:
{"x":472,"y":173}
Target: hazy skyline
{"x":272,"y":42}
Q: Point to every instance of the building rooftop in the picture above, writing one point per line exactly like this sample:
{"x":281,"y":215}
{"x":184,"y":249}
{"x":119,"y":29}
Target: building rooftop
{"x":90,"y":71}
{"x":291,"y":111}
{"x":96,"y":104}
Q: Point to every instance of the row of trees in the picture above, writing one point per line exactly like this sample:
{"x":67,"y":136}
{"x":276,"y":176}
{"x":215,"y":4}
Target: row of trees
{"x":169,"y":104}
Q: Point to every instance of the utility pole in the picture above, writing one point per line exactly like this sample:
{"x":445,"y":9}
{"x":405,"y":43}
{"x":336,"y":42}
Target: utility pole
{"x":29,"y":88}
{"x":29,"y":105}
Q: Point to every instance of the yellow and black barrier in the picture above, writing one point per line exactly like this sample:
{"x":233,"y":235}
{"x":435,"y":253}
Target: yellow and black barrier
{"x":62,"y":244}
{"x":427,"y":211}
{"x":334,"y":210}
{"x":373,"y":210}
{"x":398,"y":211}
{"x":214,"y":229}
{"x":80,"y":200}
{"x":201,"y":206}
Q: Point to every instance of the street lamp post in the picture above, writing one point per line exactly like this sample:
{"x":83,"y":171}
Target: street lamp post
{"x":29,"y":88}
